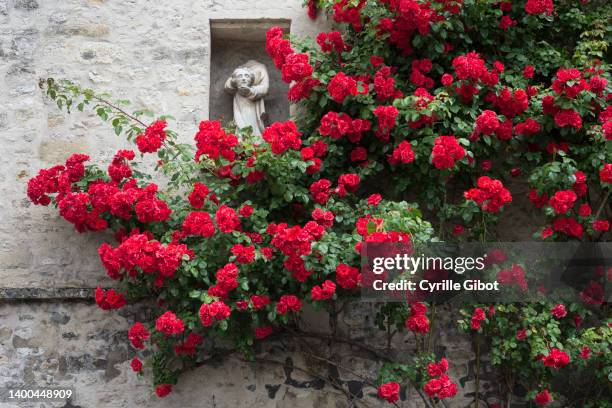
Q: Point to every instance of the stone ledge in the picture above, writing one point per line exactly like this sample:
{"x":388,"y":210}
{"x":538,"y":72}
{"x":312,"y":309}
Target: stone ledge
{"x":20,"y":294}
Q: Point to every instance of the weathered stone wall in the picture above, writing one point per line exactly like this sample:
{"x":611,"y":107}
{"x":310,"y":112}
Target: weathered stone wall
{"x":157,"y":54}
{"x":77,"y":345}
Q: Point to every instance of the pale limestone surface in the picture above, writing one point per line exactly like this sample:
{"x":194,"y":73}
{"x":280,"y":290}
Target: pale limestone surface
{"x":156,"y":54}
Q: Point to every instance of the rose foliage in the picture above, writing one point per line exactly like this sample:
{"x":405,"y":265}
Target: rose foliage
{"x":464,"y":108}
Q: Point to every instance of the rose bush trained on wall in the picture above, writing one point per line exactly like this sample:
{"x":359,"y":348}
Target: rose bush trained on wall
{"x":462,"y":107}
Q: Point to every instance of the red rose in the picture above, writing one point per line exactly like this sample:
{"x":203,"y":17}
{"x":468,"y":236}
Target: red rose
{"x":584,"y":210}
{"x":441,"y":387}
{"x":188,"y":347}
{"x":198,"y":195}
{"x":559,"y":311}
{"x":490,"y":194}
{"x":259,"y":301}
{"x":137,"y":334}
{"x":244,"y":254}
{"x":163,"y":389}
{"x":487,"y":123}
{"x":446,"y":151}
{"x":215,"y":311}
{"x":601,"y":225}
{"x":283,"y":136}
{"x":585,"y":353}
{"x":437,"y":369}
{"x":341,"y":86}
{"x":543,"y":398}
{"x":374,"y":199}
{"x":136,"y":365}
{"x":320,"y":191}
{"x":563,"y":201}
{"x":418,"y":323}
{"x":527,"y":128}
{"x":246,"y":211}
{"x":110,"y":299}
{"x":347,"y":277}
{"x":198,"y":223}
{"x":458,"y":229}
{"x":359,"y":154}
{"x":556,"y":359}
{"x":153,"y":137}
{"x":226,"y":219}
{"x":568,"y":117}
{"x":568,"y":226}
{"x":447,"y":80}
{"x":477,"y":317}
{"x":348,"y":182}
{"x":547,"y":232}
{"x":470,"y":66}
{"x":288,"y":303}
{"x":324,"y":291}
{"x":323,"y":218}
{"x":402,"y":154}
{"x":387,"y":116}
{"x":169,"y":324}
{"x":569,"y":82}
{"x":263,"y":332}
{"x":605,"y":174}
{"x":296,"y":68}
{"x":389,"y":391}
{"x":214,"y":142}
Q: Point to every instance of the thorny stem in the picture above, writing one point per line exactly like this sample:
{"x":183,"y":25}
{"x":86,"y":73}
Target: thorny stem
{"x":603,"y":204}
{"x":431,"y":327}
{"x":350,"y":342}
{"x":333,"y":363}
{"x":477,"y":370}
{"x":90,"y":94}
{"x":123,"y":112}
{"x":363,"y":346}
{"x":388,"y":334}
{"x":309,"y":372}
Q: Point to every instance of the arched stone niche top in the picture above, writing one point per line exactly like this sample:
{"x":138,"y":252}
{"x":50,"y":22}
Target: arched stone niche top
{"x":234,"y":42}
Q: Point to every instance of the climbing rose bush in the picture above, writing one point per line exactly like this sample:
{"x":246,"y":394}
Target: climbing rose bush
{"x":467,"y":109}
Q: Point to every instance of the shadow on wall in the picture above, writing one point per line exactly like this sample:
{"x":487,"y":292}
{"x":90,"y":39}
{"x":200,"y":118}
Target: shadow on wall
{"x":233,"y":47}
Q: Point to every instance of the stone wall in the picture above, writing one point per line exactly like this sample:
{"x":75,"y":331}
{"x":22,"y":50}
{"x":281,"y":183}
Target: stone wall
{"x":157,"y":54}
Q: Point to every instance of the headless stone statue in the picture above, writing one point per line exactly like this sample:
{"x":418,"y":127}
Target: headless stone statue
{"x":249,"y":84}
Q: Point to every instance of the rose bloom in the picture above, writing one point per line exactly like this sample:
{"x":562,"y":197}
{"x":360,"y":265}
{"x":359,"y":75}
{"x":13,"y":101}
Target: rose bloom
{"x":437,"y":369}
{"x":601,"y":225}
{"x":418,"y":323}
{"x":605,"y":174}
{"x":585,"y":353}
{"x":559,"y":311}
{"x":374,"y":199}
{"x":563,"y":201}
{"x":163,"y":389}
{"x":543,"y":398}
{"x":584,"y":210}
{"x":136,"y":365}
{"x":556,"y":359}
{"x":546,"y":232}
{"x":389,"y":391}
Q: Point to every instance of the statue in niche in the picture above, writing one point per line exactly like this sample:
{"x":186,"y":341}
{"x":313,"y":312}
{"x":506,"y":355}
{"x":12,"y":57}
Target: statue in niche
{"x":249,"y":84}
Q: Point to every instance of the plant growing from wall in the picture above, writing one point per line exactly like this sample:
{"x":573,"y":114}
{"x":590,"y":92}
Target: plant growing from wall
{"x":453,"y":103}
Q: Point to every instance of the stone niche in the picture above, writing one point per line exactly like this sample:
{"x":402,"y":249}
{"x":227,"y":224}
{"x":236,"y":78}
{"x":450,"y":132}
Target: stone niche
{"x":234,"y":42}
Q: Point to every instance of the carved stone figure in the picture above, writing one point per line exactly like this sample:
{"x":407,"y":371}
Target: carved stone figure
{"x":249,"y":84}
